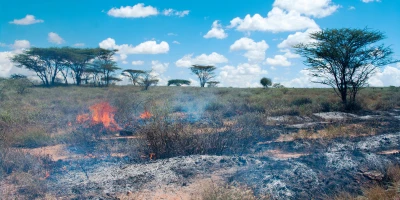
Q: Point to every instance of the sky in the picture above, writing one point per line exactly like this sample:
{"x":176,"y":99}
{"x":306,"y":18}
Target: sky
{"x":245,"y":40}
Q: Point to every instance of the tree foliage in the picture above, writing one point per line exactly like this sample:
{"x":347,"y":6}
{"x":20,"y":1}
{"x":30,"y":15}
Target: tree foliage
{"x":178,"y":82}
{"x":345,"y":59}
{"x":80,"y":64}
{"x":265,"y":82}
{"x":147,"y":80}
{"x":204,"y":73}
{"x":212,"y":83}
{"x":134,"y":75}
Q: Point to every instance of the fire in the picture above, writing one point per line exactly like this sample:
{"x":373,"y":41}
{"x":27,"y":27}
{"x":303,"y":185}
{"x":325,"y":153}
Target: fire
{"x":101,"y":113}
{"x":145,"y":115}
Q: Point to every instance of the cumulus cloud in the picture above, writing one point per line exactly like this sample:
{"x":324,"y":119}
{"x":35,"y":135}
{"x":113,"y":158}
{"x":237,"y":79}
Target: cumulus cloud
{"x":203,"y":59}
{"x":159,"y":67}
{"x":278,"y":20}
{"x":385,"y":77}
{"x":55,"y":38}
{"x":297,"y":38}
{"x":369,"y":1}
{"x":171,"y":12}
{"x":137,"y":11}
{"x":315,"y":8}
{"x":20,"y":45}
{"x":27,"y":20}
{"x":243,"y":75}
{"x":137,"y":62}
{"x":281,"y":60}
{"x":148,"y":47}
{"x":141,"y":11}
{"x":216,"y":31}
{"x":176,"y":42}
{"x":303,"y":80}
{"x":278,"y":60}
{"x":255,"y":51}
{"x":6,"y":66}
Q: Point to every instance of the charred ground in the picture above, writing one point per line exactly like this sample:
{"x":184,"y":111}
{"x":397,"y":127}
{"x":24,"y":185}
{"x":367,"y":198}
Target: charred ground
{"x":169,"y":142}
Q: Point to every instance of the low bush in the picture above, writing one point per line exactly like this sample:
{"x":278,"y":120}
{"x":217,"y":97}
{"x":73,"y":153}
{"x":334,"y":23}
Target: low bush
{"x":212,"y":191}
{"x":301,"y":101}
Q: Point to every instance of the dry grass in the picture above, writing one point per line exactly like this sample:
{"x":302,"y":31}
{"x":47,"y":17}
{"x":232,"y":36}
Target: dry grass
{"x":379,"y":191}
{"x":212,"y":191}
{"x":331,"y":132}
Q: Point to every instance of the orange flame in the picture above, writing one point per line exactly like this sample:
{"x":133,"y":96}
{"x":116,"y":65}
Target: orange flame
{"x":101,"y":113}
{"x":145,"y":115}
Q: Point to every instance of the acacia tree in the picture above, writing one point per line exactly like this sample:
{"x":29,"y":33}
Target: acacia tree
{"x":178,"y":82}
{"x":345,"y":59}
{"x":78,"y":61}
{"x":106,"y":65}
{"x":212,"y":83}
{"x":45,"y":62}
{"x":205,"y":73}
{"x":265,"y":82}
{"x":133,"y":74}
{"x":147,"y":80}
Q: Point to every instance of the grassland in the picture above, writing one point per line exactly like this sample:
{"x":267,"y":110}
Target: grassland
{"x":184,"y":121}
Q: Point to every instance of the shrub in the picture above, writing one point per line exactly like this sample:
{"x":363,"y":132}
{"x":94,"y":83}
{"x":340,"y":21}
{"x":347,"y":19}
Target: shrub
{"x":301,"y":101}
{"x":212,"y":191}
{"x":34,"y":139}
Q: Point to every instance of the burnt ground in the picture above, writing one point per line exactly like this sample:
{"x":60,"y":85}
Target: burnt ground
{"x":288,"y":169}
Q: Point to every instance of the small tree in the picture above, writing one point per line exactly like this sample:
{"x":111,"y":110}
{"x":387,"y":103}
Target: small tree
{"x":205,"y":73}
{"x":148,"y":80}
{"x":345,"y":59}
{"x":212,"y":83}
{"x":133,"y":74}
{"x":178,"y":82}
{"x":278,"y":85}
{"x":265,"y":82}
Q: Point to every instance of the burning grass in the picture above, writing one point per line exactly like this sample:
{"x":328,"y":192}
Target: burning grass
{"x":191,"y":121}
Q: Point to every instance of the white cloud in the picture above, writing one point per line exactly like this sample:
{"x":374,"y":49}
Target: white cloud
{"x":216,"y":31}
{"x":281,"y":60}
{"x":368,"y":1}
{"x":137,"y":11}
{"x":352,"y":8}
{"x":244,"y":75}
{"x":148,"y":47}
{"x":20,"y":45}
{"x":278,"y":20}
{"x":304,"y":80}
{"x":170,"y":12}
{"x":203,"y":59}
{"x":6,"y":66}
{"x":297,"y":38}
{"x":79,"y":45}
{"x":176,"y":42}
{"x":289,"y":54}
{"x":137,"y":62}
{"x":255,"y":50}
{"x":278,"y":60}
{"x":124,"y":62}
{"x":55,"y":38}
{"x":159,"y":67}
{"x":386,"y":77}
{"x":3,"y":44}
{"x":172,"y":34}
{"x":158,"y":70}
{"x":27,"y":20}
{"x":141,"y":11}
{"x":315,"y":8}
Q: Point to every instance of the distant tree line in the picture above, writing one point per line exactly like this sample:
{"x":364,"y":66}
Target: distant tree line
{"x":54,"y":65}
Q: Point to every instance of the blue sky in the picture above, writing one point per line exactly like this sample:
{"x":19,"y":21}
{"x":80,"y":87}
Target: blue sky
{"x":244,"y":40}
